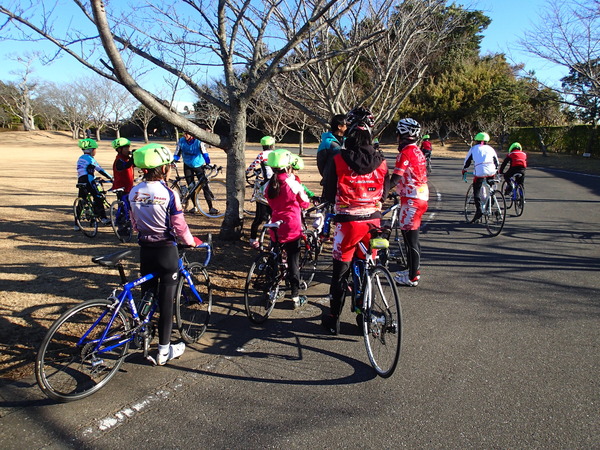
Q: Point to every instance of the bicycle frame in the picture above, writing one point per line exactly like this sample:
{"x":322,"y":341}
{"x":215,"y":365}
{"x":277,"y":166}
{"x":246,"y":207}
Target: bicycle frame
{"x":361,"y":276}
{"x":125,"y":296}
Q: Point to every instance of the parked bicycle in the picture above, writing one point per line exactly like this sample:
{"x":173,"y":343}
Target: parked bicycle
{"x":86,"y":345}
{"x":317,"y":225}
{"x":493,"y":206}
{"x":195,"y":193}
{"x":516,"y":197}
{"x":120,"y":218}
{"x":254,"y":182}
{"x":372,"y":289}
{"x":83,"y":209}
{"x":397,"y":249}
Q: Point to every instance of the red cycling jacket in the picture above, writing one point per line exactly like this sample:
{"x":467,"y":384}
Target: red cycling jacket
{"x":357,"y":194}
{"x":123,"y":173}
{"x":516,"y":158}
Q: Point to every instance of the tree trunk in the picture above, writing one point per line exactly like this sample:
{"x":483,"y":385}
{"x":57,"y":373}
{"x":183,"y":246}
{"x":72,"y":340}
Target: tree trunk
{"x":541,"y":142}
{"x":233,"y":222}
{"x":301,"y":143}
{"x":146,"y":140}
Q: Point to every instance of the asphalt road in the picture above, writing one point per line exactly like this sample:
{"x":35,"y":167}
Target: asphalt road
{"x":500,"y":350}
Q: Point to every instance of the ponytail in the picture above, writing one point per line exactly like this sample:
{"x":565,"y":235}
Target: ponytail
{"x":274,"y":185}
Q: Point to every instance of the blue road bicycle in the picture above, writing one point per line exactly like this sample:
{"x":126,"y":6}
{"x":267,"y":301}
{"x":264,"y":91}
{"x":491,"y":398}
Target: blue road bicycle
{"x":516,"y":197}
{"x":120,"y":218}
{"x":87,"y":344}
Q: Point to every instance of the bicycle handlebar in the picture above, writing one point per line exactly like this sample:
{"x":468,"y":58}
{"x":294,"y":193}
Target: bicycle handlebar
{"x":316,"y":207}
{"x":464,"y":176}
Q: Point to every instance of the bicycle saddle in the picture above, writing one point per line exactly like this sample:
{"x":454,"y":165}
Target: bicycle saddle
{"x":273,"y":224}
{"x":113,"y":259}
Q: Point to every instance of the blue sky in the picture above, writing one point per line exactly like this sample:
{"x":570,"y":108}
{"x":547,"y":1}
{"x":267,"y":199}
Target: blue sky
{"x":510,"y":18}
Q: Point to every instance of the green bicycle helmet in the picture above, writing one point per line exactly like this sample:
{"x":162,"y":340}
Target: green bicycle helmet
{"x":297,"y":162}
{"x":482,"y":137}
{"x":120,"y":142}
{"x":151,"y":156}
{"x":87,"y":145}
{"x":425,"y":137}
{"x":513,"y":146}
{"x":267,"y":141}
{"x":279,"y":159}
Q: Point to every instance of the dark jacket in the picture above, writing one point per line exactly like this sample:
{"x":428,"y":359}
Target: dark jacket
{"x":362,"y":160}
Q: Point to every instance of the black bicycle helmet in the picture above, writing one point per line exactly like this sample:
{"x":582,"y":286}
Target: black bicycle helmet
{"x":360,"y":118}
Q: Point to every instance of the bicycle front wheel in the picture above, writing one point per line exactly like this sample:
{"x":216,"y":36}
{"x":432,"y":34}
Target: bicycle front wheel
{"x":184,"y":199}
{"x":121,"y":225}
{"x":309,"y":254}
{"x":520,"y":200}
{"x":69,"y":364}
{"x":262,"y":288}
{"x":218,"y":197}
{"x":470,"y":207}
{"x":494,"y":219}
{"x":382,"y":322}
{"x":192,"y":314}
{"x":85,"y":217}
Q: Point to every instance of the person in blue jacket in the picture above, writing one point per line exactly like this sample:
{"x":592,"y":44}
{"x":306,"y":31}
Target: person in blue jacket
{"x":195,"y":157}
{"x":87,"y":166}
{"x":331,"y":142}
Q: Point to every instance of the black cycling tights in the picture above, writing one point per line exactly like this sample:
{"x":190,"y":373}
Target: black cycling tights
{"x":413,"y":250}
{"x":338,"y":275}
{"x":165,"y":262}
{"x":292,"y":249}
{"x":263,"y":214}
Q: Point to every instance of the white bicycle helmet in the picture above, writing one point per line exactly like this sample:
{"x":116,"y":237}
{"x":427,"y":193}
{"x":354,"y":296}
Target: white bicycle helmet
{"x":408,"y":127}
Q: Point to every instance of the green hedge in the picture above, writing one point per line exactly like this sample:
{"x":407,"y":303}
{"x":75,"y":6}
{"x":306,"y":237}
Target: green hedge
{"x":570,"y":140}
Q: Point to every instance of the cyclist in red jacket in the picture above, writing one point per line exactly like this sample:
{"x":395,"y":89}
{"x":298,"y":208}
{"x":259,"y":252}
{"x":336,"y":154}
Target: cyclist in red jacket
{"x":517,"y":159}
{"x":356,"y":182}
{"x":123,"y":166}
{"x":410,"y":177}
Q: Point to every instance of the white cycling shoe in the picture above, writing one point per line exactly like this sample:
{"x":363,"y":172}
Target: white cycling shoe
{"x":174,"y":351}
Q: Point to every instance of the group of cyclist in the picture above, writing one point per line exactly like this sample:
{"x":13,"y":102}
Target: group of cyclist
{"x":355,"y":179}
{"x":486,"y":166}
{"x":156,"y":216}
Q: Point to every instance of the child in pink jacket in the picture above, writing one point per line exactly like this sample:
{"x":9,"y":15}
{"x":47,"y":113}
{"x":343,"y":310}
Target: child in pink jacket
{"x":287,"y":198}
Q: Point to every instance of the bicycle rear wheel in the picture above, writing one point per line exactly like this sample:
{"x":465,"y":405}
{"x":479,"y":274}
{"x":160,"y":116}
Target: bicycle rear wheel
{"x":382,"y":322}
{"x":262,"y":288}
{"x":470,"y":207}
{"x":496,"y":214}
{"x":520,"y":200}
{"x":309,"y":254}
{"x":85,"y":217}
{"x":265,"y":240}
{"x":68,"y":365}
{"x":191,"y":314}
{"x":119,"y":221}
{"x":219,"y":199}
